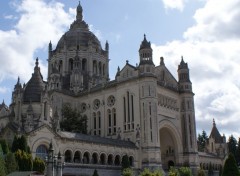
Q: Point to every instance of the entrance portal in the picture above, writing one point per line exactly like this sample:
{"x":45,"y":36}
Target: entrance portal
{"x":170,"y":164}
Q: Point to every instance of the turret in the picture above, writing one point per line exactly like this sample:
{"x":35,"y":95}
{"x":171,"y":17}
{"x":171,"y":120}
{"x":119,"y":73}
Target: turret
{"x":145,"y":52}
{"x":79,"y":10}
{"x":185,"y":84}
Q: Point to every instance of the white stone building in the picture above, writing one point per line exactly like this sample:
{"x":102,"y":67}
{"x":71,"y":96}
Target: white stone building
{"x":144,"y":112}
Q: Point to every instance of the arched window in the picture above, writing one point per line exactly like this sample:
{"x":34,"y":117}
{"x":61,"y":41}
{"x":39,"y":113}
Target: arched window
{"x":117,"y":160}
{"x":95,"y":158}
{"x":41,"y":151}
{"x":109,"y":122}
{"x":70,"y":65}
{"x":77,"y":157}
{"x":86,"y":159}
{"x":102,"y":159}
{"x":110,"y":159}
{"x":68,"y":156}
{"x":131,"y":161}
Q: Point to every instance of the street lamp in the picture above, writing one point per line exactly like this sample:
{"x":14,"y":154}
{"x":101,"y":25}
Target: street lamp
{"x":54,"y":163}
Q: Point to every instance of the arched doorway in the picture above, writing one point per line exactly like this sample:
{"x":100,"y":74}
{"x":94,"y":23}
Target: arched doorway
{"x":169,"y":147}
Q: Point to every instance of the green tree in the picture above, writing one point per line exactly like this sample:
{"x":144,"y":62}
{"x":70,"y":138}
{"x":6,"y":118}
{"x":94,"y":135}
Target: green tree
{"x":39,"y":165}
{"x":11,"y":163}
{"x":20,"y":143}
{"x":24,"y":160}
{"x":125,"y":162}
{"x":4,"y":145}
{"x":15,"y":144}
{"x":2,"y":163}
{"x":127,"y":172}
{"x":230,"y":167}
{"x":185,"y":171}
{"x":238,"y":152}
{"x":232,"y":145}
{"x":73,"y":121}
{"x":95,"y":173}
{"x":202,"y":139}
{"x":210,"y":170}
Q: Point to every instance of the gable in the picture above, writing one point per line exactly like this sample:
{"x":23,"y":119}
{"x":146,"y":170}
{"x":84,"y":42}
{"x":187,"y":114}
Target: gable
{"x":165,"y":78}
{"x":127,"y":72}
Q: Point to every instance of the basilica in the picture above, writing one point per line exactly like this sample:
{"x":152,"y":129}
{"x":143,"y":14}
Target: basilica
{"x":144,"y":113}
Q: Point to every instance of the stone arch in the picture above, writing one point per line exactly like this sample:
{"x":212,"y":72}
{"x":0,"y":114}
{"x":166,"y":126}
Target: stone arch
{"x":117,"y":160}
{"x":86,"y":158}
{"x":110,"y":159}
{"x":42,"y":141}
{"x":68,"y":156}
{"x":103,"y":157}
{"x":77,"y":157}
{"x":95,"y":158}
{"x":170,"y":143}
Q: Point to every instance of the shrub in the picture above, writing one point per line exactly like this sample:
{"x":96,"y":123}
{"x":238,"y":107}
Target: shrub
{"x":201,"y":172}
{"x":146,"y":172}
{"x":173,"y":172}
{"x":185,"y":171}
{"x":127,"y":172}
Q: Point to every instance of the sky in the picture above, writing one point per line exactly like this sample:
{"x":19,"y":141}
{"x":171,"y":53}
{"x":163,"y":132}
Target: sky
{"x":205,"y":32}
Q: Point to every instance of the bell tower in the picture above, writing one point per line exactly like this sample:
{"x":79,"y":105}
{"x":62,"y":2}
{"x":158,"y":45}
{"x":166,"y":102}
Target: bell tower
{"x":187,"y":113}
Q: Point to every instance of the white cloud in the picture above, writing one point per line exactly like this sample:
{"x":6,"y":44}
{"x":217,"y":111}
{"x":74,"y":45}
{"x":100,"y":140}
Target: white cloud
{"x":174,"y":4}
{"x":3,"y":89}
{"x":211,"y":48}
{"x":37,"y":24}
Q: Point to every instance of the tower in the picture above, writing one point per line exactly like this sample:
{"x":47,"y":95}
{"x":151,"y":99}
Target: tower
{"x":148,"y":105}
{"x":187,"y":114}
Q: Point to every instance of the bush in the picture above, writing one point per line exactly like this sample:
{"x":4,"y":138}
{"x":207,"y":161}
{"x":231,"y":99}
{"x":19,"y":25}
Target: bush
{"x":173,"y":172}
{"x":24,"y":160}
{"x":201,"y":172}
{"x":39,"y":165}
{"x":127,"y":172}
{"x":157,"y":173}
{"x":11,"y":163}
{"x":146,"y":172}
{"x":185,"y":171}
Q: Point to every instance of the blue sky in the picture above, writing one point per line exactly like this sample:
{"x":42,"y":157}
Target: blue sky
{"x":205,"y":33}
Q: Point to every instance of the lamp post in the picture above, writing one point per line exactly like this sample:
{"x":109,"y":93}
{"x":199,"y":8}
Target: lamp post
{"x":54,"y":163}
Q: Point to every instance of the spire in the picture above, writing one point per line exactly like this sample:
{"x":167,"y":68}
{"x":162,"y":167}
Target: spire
{"x":36,"y":68}
{"x":214,"y":124}
{"x":182,"y":65}
{"x":79,"y":12}
{"x":145,"y":43}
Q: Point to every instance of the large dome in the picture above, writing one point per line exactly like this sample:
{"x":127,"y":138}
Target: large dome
{"x":78,"y":34}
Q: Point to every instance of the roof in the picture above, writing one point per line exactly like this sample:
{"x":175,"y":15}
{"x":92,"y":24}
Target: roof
{"x":34,"y":87}
{"x":215,"y":134}
{"x":145,"y":44}
{"x":97,"y":139}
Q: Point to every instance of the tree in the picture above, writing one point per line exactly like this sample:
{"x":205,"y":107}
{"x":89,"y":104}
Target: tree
{"x":24,"y":160}
{"x":2,"y":163}
{"x":73,"y":121}
{"x":125,"y":162}
{"x":230,"y":167}
{"x":238,"y":153}
{"x":232,"y":145}
{"x":202,"y":139}
{"x":4,"y":145}
{"x":95,"y":173}
{"x":11,"y":163}
{"x":20,"y":143}
{"x":39,"y":165}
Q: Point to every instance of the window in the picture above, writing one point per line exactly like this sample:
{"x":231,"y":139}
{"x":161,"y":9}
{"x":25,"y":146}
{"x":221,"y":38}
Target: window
{"x":41,"y":151}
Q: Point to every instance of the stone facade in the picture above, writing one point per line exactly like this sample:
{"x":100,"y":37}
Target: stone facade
{"x":144,"y":112}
